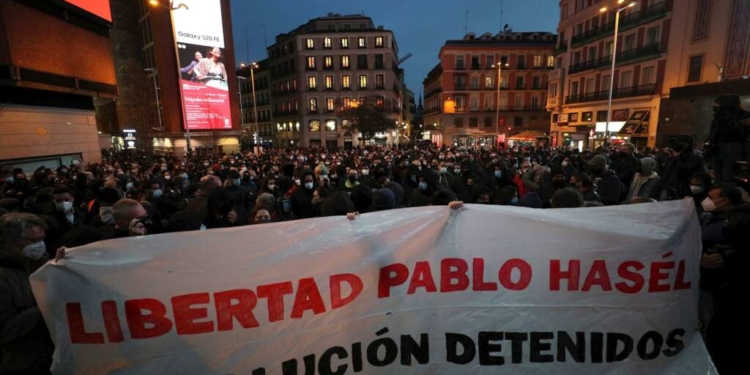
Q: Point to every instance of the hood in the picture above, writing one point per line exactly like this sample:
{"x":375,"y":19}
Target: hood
{"x":648,"y":165}
{"x":728,"y":102}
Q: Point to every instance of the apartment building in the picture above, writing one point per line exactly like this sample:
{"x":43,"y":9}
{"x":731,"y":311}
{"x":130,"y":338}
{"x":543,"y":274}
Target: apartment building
{"x":328,"y":64}
{"x":261,"y":130}
{"x":463,"y":104}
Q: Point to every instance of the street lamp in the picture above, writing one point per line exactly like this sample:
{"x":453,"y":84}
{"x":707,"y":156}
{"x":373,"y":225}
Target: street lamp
{"x":156,"y":95}
{"x":614,"y":59}
{"x":254,"y":66}
{"x":497,"y":100}
{"x":170,"y":8}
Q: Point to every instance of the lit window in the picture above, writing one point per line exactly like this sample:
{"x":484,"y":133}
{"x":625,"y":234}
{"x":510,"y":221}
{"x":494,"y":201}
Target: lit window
{"x":328,"y":62}
{"x":345,"y":82}
{"x":312,"y":83}
{"x":344,"y":42}
{"x":327,"y":43}
{"x":550,"y":61}
{"x":344,"y":62}
{"x":314,"y":125}
{"x":312,"y":105}
{"x":329,"y":104}
{"x":361,"y":42}
{"x":380,"y":102}
{"x":331,"y":125}
{"x":379,"y":81}
{"x":347,"y":102}
{"x":311,"y":62}
{"x":329,"y":82}
{"x":379,"y":41}
{"x":310,"y":43}
{"x":362,"y":82}
{"x":537,"y":61}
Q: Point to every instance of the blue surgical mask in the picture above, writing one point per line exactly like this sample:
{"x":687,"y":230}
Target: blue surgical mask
{"x":514,"y":201}
{"x":422,"y":185}
{"x":414,"y":178}
{"x":498,"y":174}
{"x":157,"y":193}
{"x":10,"y":179}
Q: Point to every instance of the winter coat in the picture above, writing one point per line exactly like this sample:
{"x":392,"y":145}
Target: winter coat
{"x":609,"y":188}
{"x":676,"y":181}
{"x":649,"y":189}
{"x":302,"y":206}
{"x":626,"y":168}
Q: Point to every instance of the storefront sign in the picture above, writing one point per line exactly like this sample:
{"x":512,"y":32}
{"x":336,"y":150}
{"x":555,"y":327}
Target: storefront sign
{"x":562,"y":120}
{"x":620,"y":114}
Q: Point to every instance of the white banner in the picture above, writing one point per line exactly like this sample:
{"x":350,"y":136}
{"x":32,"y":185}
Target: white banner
{"x":482,"y":290}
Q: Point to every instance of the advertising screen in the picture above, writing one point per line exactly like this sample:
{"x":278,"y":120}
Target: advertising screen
{"x":99,"y":8}
{"x":204,"y":84}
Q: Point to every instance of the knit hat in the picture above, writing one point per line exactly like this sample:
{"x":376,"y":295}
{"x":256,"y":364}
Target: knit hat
{"x":598,"y":162}
{"x":383,"y":199}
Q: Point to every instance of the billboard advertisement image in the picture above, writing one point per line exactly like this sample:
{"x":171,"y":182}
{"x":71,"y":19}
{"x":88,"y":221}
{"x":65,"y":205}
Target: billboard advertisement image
{"x":204,"y":84}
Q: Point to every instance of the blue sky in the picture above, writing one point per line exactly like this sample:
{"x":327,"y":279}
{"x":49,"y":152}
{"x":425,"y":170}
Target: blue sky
{"x":421,"y":27}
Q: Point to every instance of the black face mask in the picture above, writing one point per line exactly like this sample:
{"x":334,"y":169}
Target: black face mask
{"x":246,"y":178}
{"x":558,"y":184}
{"x":352,"y":178}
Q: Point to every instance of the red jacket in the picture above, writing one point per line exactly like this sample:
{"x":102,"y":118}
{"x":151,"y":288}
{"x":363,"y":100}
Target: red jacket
{"x":518,"y":180}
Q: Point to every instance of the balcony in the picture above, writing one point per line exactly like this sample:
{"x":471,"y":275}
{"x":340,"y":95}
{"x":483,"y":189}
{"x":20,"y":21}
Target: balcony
{"x":433,"y":92}
{"x":330,"y":110}
{"x":476,"y":67}
{"x":379,"y":87}
{"x":460,"y":87}
{"x":646,"y":52}
{"x":520,"y":87}
{"x":562,"y":48}
{"x":379,"y":66}
{"x":521,"y":66}
{"x":328,"y":67}
{"x":630,"y":21}
{"x":583,"y":66}
{"x":429,"y":111}
{"x":312,"y":88}
{"x":346,"y":88}
{"x":538,"y":87}
{"x":285,"y":113}
{"x":362,"y":88}
{"x":312,"y":111}
{"x":328,"y":89}
{"x":475,"y":88}
{"x":362,"y":67}
{"x":460,"y":67}
{"x":521,"y":108}
{"x":625,"y":92}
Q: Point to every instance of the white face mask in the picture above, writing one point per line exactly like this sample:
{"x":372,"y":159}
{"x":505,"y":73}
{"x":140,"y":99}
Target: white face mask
{"x":308,"y":185}
{"x":696,"y":189}
{"x":64,"y":206}
{"x":365,"y":172}
{"x":565,"y":164}
{"x":443,"y":170}
{"x":298,"y":182}
{"x":128,"y":186}
{"x":35,"y":250}
{"x":708,"y":205}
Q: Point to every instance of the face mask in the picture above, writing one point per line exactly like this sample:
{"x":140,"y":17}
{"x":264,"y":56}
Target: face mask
{"x":128,"y":186}
{"x":328,"y":163}
{"x":441,"y":157}
{"x":514,"y":201}
{"x":708,"y":205}
{"x":64,"y":171}
{"x":457,"y":171}
{"x":64,"y":206}
{"x":696,"y":189}
{"x":163,"y":169}
{"x":157,"y":193}
{"x":184,"y":176}
{"x":35,"y":250}
{"x":308,"y":185}
{"x":422,"y":185}
{"x":414,"y":178}
{"x":271,"y":187}
{"x":443,"y":170}
{"x":352,"y":178}
{"x":298,"y":182}
{"x":167,"y":177}
{"x":246,"y":178}
{"x":237,"y":182}
{"x":205,"y":164}
{"x":365,"y":172}
{"x":9,"y":180}
{"x":498,"y":174}
{"x":565,"y":164}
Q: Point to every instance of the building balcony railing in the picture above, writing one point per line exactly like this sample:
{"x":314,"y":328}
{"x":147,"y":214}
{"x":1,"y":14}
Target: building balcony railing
{"x":312,"y":88}
{"x":521,"y":66}
{"x":460,"y":67}
{"x":379,"y":87}
{"x":346,"y":88}
{"x":643,"y":16}
{"x":379,"y":66}
{"x":625,"y":92}
{"x":312,"y":111}
{"x":285,"y":113}
{"x":648,"y":51}
{"x":460,"y":87}
{"x":561,"y":48}
{"x":509,"y":108}
{"x":475,"y":88}
{"x":429,"y":111}
{"x":433,"y":92}
{"x":476,"y":67}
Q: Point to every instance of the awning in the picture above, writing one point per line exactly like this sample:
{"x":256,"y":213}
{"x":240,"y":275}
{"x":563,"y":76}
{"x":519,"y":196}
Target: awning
{"x":529,"y":135}
{"x":635,"y":124}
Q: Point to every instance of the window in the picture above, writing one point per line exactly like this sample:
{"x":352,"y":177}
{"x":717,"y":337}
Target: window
{"x":489,"y":82}
{"x":363,"y":82}
{"x":379,"y":41}
{"x":311,"y":63}
{"x":577,"y":58}
{"x":461,"y":102}
{"x":460,"y":62}
{"x":587,"y":117}
{"x":314,"y":125}
{"x":362,"y":25}
{"x":312,"y":105}
{"x":329,"y":105}
{"x":535,"y":103}
{"x":605,"y":82}
{"x":537,"y":82}
{"x":518,"y":122}
{"x":696,"y":69}
{"x":344,"y":62}
{"x":379,"y":64}
{"x":504,"y":60}
{"x":329,"y":82}
{"x":294,"y":84}
{"x":559,"y":62}
{"x":590,"y":85}
{"x":488,"y":122}
{"x":312,"y":83}
{"x":475,"y":62}
{"x":332,"y":27}
{"x":361,"y":61}
{"x":380,"y":102}
{"x":460,"y":83}
{"x":652,"y":35}
{"x":648,"y":75}
{"x":489,"y":60}
{"x":626,"y":79}
{"x":458,"y":122}
{"x":473,"y":122}
{"x":574,"y":88}
{"x":608,"y":48}
{"x":488,"y":102}
{"x":361,"y":42}
{"x":344,"y":41}
{"x":310,"y":43}
{"x":503,"y":103}
{"x":553,"y":90}
{"x":296,"y":105}
{"x":521,"y":62}
{"x":327,"y":41}
{"x":474,"y":103}
{"x":346,"y":82}
{"x":550,"y":61}
{"x":328,"y":62}
{"x":519,"y":102}
{"x":629,"y":43}
{"x":475,"y":83}
{"x":592,"y":53}
{"x":580,"y":4}
{"x":379,"y":81}
{"x":537,"y":61}
{"x":347,"y":102}
{"x":331,"y":125}
{"x":519,"y":83}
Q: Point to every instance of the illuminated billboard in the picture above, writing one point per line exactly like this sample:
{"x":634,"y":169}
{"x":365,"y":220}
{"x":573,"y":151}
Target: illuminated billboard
{"x":204,"y":84}
{"x":99,"y":8}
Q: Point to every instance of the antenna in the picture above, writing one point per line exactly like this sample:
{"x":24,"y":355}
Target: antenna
{"x":501,"y":14}
{"x":466,"y":23}
{"x":247,"y":47}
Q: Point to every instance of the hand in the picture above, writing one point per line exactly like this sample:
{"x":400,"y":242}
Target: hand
{"x":232,"y":216}
{"x":352,"y":215}
{"x":712,"y":261}
{"x":137,"y":228}
{"x":60,"y":254}
{"x":455,"y":205}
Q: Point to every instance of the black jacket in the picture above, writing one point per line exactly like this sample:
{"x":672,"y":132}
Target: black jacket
{"x":609,"y":188}
{"x":626,"y":168}
{"x":676,"y":182}
{"x":302,"y":206}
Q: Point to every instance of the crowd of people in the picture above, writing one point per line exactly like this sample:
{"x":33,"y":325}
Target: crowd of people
{"x":139,"y":193}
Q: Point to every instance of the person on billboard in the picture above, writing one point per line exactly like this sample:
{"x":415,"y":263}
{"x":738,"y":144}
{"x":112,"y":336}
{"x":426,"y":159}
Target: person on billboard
{"x":190,"y":68}
{"x":211,"y":70}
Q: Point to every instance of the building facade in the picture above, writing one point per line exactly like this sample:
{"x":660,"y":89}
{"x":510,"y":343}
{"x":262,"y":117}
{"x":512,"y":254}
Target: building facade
{"x":326,"y":65}
{"x":461,"y":93}
{"x":261,"y":130}
{"x":48,"y":95}
{"x":580,"y":84}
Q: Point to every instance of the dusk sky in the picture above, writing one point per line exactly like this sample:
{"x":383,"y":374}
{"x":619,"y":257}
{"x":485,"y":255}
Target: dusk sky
{"x":421,"y":27}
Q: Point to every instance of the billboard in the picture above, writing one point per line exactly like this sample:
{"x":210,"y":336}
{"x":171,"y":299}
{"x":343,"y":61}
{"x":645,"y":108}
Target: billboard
{"x":99,"y":8}
{"x":204,"y":84}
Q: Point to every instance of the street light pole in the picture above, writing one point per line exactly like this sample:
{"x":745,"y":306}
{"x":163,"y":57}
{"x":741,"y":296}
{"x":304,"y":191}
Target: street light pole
{"x":497,"y":99}
{"x":239,"y":91}
{"x":156,"y":95}
{"x":255,"y":100}
{"x":614,"y":61}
